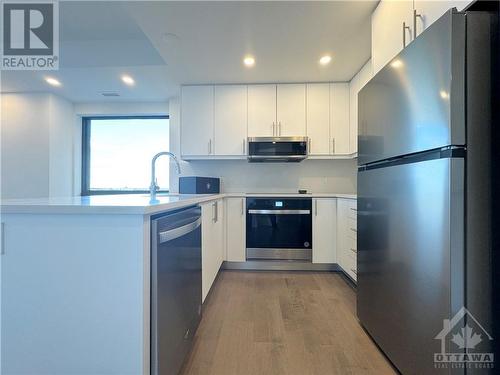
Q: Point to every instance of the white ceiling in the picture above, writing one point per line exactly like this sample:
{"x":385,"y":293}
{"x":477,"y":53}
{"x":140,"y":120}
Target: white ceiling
{"x":163,"y":44}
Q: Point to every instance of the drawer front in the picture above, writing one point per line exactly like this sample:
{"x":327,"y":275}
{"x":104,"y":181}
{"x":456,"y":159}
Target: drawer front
{"x":352,"y":252}
{"x":352,"y":209}
{"x":352,"y":233}
{"x":352,"y":221}
{"x":351,"y":267}
{"x":351,"y":243}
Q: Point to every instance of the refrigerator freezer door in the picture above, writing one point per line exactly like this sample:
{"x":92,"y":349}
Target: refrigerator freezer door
{"x":410,"y":257}
{"x":416,"y":102}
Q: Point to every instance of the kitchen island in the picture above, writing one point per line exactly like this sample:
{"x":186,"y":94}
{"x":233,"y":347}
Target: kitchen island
{"x":76,"y":278}
{"x":76,"y":283}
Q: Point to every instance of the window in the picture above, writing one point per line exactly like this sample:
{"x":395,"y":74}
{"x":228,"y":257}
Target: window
{"x":117,"y":153}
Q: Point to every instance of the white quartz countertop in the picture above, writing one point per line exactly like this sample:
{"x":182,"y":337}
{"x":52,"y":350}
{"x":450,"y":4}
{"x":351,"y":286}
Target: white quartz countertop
{"x":132,"y":204}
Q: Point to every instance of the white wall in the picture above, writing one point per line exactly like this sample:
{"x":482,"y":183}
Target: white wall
{"x":319,"y":176}
{"x":121,"y":109}
{"x":36,"y":145}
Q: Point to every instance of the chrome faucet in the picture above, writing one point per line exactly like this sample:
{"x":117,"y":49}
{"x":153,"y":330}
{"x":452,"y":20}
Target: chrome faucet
{"x":153,"y":188}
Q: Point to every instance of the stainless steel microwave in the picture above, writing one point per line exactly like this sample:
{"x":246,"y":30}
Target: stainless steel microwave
{"x":277,"y":149}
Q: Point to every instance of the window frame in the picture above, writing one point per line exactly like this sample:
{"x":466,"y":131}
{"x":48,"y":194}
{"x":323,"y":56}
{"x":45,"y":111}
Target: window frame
{"x":85,"y":170}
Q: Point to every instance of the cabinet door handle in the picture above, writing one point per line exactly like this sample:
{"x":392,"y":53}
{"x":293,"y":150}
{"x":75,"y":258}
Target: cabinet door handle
{"x":214,"y":212}
{"x":315,"y":207}
{"x":209,"y":146}
{"x":333,"y":145}
{"x":242,"y":207}
{"x":279,"y":128}
{"x":244,"y":146}
{"x":415,"y":16}
{"x":404,"y":33}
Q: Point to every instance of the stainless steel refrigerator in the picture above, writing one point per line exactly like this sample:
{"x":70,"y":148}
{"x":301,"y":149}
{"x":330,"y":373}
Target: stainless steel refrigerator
{"x":424,"y":197}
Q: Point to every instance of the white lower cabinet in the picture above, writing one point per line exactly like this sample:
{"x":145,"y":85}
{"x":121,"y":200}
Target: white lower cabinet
{"x":212,"y":243}
{"x":324,"y":246}
{"x":235,"y":229}
{"x":347,"y":236}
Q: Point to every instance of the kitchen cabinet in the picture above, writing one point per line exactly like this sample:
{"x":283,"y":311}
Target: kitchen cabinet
{"x":212,"y":243}
{"x":397,"y":23}
{"x":261,"y":110}
{"x":324,"y":230}
{"x":235,"y":229}
{"x":356,"y":84}
{"x":291,"y":110}
{"x":197,"y":120}
{"x":427,"y":12}
{"x":347,"y":236}
{"x":318,"y":118}
{"x":216,"y":120}
{"x":230,"y":120}
{"x":339,"y":119}
{"x":392,"y":21}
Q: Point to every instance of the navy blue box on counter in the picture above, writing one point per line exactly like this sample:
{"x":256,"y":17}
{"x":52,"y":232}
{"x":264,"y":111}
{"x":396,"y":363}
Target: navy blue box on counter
{"x":199,"y":185}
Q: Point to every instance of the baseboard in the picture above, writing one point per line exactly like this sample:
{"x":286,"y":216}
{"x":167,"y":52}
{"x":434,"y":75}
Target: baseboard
{"x":275,"y":265}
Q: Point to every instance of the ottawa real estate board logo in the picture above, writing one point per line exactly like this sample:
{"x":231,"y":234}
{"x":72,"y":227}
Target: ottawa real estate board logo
{"x":465,"y":343}
{"x":30,"y":35}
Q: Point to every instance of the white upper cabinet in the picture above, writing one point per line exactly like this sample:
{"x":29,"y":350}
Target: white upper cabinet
{"x":356,"y":84}
{"x":389,"y":20}
{"x":261,"y":110}
{"x":230,"y":120}
{"x":318,"y":118}
{"x":427,"y":12}
{"x":291,"y":110}
{"x":197,"y":120}
{"x":339,"y":119}
{"x":217,"y":120}
{"x":324,"y":230}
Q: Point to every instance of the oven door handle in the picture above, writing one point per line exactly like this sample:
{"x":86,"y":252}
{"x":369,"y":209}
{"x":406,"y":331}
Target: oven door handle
{"x":280,"y":212}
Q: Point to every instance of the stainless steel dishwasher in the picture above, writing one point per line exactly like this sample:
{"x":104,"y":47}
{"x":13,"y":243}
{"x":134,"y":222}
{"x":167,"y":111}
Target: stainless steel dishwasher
{"x":175,"y":287}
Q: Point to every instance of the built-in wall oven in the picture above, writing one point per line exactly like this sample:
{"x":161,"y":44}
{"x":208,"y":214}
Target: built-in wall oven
{"x":279,"y":229}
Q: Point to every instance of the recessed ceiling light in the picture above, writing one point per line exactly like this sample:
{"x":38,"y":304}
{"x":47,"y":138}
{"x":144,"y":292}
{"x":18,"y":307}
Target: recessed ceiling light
{"x":52,"y":81}
{"x":128,"y":80}
{"x":444,"y":94}
{"x":325,"y":60}
{"x":249,"y":61}
{"x":397,"y":64}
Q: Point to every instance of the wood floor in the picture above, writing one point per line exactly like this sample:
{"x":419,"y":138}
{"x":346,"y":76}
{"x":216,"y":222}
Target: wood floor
{"x":258,"y":323}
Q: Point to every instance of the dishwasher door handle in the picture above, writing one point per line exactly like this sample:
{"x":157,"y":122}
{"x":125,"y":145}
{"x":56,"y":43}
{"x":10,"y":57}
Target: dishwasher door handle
{"x":280,"y":212}
{"x":172,"y":234}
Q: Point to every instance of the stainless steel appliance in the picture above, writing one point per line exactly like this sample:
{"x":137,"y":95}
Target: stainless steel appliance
{"x":424,"y":194}
{"x":175,"y":287}
{"x":279,"y":229}
{"x":277,"y":149}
